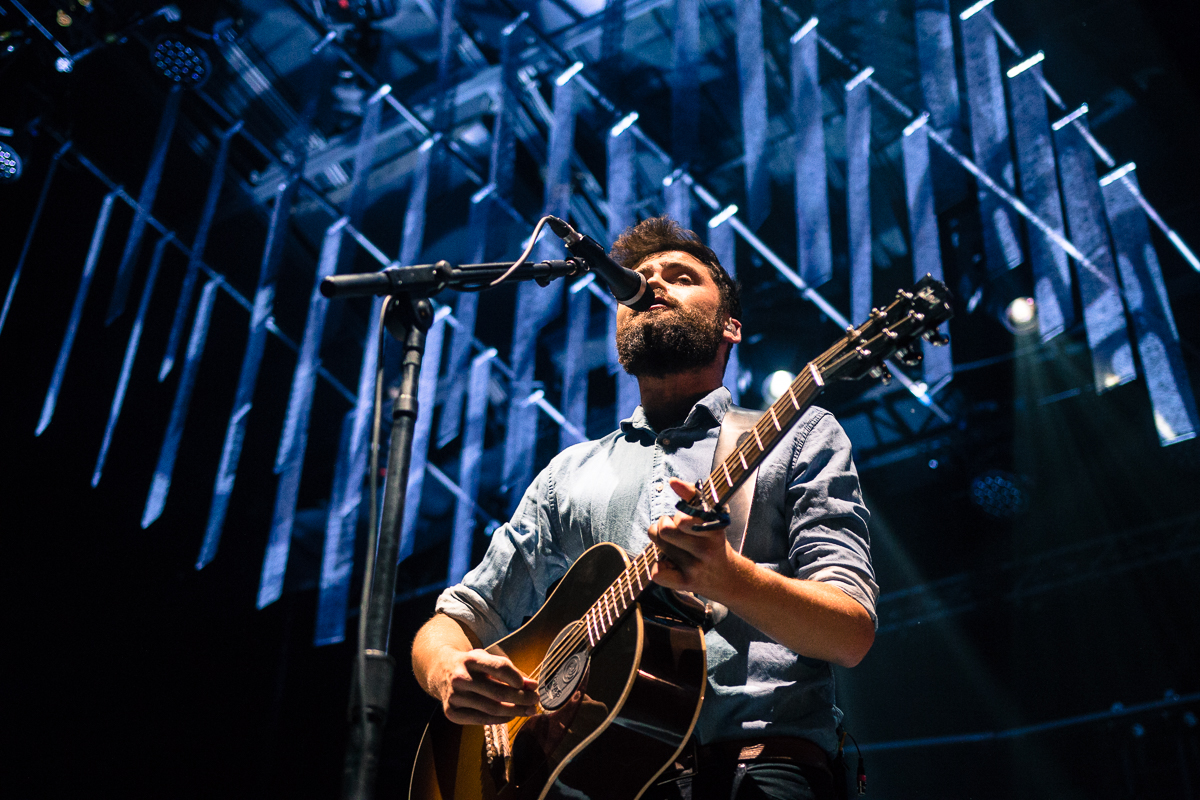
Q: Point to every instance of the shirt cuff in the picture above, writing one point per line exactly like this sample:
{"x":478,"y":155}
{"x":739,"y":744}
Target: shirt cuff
{"x":853,"y":583}
{"x":468,"y":607}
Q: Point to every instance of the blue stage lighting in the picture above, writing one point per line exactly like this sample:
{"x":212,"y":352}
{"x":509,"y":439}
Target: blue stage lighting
{"x":999,"y":494}
{"x":10,"y":164}
{"x":180,"y":62}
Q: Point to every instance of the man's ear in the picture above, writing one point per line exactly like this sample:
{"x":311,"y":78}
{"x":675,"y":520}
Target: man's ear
{"x":733,"y":331}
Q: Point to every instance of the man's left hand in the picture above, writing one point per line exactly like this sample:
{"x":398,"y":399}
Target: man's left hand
{"x":696,"y":561}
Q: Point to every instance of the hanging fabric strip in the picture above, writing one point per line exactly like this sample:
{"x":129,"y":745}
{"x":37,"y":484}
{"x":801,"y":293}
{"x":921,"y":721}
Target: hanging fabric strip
{"x":466,"y":306}
{"x":858,"y":194}
{"x":197,"y":254}
{"x":1166,"y":374}
{"x":469,"y":465}
{"x":447,"y":38}
{"x":536,"y":305}
{"x":85,"y":284}
{"x":621,"y":199}
{"x":504,"y":145}
{"x":156,"y":499}
{"x":364,"y":155}
{"x":341,"y":527}
{"x":612,"y":29}
{"x":989,"y":137}
{"x":289,"y":460}
{"x":935,"y":54}
{"x":141,"y":214}
{"x":685,"y":84}
{"x":1099,"y":292}
{"x":723,"y":241}
{"x":337,"y":560}
{"x":752,"y":84}
{"x":923,"y":230}
{"x":575,"y":366}
{"x":256,"y":342}
{"x":305,"y":376}
{"x":677,"y":198}
{"x":131,"y":348}
{"x":413,"y":238}
{"x":410,"y":251}
{"x":1039,"y":190}
{"x":33,"y":224}
{"x":426,"y":399}
{"x":814,"y":250}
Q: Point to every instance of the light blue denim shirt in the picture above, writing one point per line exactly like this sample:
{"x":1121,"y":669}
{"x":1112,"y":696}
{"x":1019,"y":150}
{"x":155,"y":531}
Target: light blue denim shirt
{"x":807,"y":521}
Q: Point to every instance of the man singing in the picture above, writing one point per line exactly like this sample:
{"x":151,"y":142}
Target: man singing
{"x":800,"y":594}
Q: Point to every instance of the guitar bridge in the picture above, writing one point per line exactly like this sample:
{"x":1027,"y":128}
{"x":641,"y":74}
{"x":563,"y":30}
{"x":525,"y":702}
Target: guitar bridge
{"x":499,"y":752}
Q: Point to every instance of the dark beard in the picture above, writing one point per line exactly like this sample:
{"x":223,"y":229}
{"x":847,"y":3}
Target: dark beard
{"x":667,"y":341}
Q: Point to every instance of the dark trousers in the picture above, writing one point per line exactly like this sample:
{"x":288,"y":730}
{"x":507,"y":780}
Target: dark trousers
{"x":772,"y":768}
{"x":754,"y":781}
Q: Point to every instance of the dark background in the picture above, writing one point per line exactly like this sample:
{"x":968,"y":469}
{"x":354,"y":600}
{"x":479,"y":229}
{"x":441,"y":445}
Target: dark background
{"x":127,"y":670}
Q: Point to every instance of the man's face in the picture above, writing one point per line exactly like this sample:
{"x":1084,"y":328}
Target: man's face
{"x":685,"y":327}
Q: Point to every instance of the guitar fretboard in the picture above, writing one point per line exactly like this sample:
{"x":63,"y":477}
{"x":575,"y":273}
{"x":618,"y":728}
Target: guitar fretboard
{"x":711,"y":492}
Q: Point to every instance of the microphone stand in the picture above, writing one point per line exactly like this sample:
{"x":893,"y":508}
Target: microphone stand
{"x":409,"y":289}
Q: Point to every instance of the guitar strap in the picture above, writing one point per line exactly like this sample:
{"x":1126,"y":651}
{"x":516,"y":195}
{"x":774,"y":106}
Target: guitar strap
{"x":737,"y":423}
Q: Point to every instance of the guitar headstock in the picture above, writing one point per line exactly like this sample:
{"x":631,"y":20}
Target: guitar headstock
{"x":895,"y":331}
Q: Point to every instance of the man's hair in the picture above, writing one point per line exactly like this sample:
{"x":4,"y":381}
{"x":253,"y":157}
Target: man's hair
{"x":663,"y":234}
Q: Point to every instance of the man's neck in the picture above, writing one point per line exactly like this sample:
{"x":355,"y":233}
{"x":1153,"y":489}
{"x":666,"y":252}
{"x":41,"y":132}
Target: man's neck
{"x":667,"y":399}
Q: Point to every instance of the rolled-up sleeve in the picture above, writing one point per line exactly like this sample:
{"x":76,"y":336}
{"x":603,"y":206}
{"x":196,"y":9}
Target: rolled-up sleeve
{"x":523,"y":559}
{"x":828,"y":534}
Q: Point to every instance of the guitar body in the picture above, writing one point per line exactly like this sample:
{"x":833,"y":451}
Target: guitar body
{"x":631,"y":706}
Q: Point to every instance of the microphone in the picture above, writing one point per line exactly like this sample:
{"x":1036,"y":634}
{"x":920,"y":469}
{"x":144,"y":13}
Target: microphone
{"x":627,"y":286}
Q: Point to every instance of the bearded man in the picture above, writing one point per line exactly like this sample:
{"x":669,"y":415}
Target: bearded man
{"x":800,"y":594}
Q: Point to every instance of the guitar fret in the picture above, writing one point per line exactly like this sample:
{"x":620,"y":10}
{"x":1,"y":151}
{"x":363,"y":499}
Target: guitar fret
{"x":774,"y":418}
{"x":742,"y":458}
{"x":593,"y":637}
{"x":728,"y":479}
{"x":792,"y":395}
{"x":758,"y":439}
{"x":713,"y":491}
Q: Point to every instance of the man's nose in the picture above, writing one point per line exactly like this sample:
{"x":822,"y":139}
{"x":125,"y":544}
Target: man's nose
{"x":654,"y":280}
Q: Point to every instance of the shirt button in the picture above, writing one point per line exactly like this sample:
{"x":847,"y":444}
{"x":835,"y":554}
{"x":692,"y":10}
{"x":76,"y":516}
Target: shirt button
{"x":666,"y":441}
{"x":658,"y":487}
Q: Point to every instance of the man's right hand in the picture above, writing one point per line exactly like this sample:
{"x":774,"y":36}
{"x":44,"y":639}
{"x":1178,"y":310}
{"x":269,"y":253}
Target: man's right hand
{"x":475,"y":687}
{"x":478,"y":688}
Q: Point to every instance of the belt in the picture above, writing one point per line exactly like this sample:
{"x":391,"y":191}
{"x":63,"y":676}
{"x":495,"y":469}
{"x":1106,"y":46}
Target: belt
{"x":790,"y":749}
{"x":812,"y":761}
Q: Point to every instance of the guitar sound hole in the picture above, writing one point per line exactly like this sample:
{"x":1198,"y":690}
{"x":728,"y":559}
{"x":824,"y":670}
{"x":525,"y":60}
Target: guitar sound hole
{"x":564,"y":666}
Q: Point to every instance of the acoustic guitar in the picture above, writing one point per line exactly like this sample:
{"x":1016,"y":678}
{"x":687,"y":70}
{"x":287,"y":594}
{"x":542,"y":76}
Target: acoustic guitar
{"x":619,"y":661}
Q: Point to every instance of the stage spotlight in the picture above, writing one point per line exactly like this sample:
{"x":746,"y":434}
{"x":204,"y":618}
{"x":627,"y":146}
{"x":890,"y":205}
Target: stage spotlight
{"x":10,"y":164}
{"x":1020,"y":316}
{"x":776,"y":384}
{"x":999,"y":494}
{"x":180,"y":62}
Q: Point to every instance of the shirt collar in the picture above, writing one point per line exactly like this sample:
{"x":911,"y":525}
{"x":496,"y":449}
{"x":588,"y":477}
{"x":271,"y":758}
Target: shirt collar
{"x":707,"y":412}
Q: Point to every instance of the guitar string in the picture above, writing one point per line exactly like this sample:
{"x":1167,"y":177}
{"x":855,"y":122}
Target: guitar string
{"x":556,"y":657}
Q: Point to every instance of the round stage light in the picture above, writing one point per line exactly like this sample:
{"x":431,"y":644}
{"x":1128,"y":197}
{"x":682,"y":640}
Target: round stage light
{"x":776,"y":384}
{"x":180,"y":62}
{"x":1021,"y":315}
{"x":10,"y":164}
{"x":999,"y":494}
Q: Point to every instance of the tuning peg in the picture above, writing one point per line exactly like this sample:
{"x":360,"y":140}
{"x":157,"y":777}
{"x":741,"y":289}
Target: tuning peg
{"x":934,"y":338}
{"x":910,"y":356}
{"x":881,"y":372}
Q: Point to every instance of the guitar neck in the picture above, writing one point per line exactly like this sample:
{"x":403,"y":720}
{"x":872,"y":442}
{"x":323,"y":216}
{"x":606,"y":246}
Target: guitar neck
{"x":711,"y":493}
